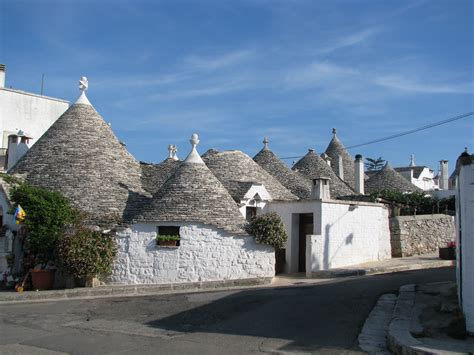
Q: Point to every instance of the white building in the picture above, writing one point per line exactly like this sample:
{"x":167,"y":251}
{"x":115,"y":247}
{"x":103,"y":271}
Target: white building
{"x":25,"y":112}
{"x":465,"y":236}
{"x":205,"y":201}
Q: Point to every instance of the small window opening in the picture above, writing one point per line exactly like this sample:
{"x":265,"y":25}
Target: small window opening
{"x":168,"y":236}
{"x":250,"y":213}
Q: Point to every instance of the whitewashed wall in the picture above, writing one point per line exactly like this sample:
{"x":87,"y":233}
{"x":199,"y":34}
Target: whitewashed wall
{"x":289,"y":213}
{"x":32,"y":113}
{"x":6,"y":242}
{"x":205,"y":254}
{"x":350,"y":234}
{"x":465,"y":219}
{"x":344,"y":233}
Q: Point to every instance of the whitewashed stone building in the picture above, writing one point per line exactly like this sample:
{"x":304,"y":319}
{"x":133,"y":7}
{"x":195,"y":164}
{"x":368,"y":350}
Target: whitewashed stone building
{"x":22,"y":112}
{"x":205,"y":201}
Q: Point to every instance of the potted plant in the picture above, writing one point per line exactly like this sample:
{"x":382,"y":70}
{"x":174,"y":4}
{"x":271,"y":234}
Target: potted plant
{"x":449,"y":252}
{"x":167,"y":240}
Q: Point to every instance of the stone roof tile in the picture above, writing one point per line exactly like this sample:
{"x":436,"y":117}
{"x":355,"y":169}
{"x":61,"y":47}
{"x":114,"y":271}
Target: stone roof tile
{"x":296,"y":183}
{"x":389,"y":179}
{"x":234,"y":165}
{"x":336,"y":149}
{"x":80,"y":157}
{"x":313,"y":166}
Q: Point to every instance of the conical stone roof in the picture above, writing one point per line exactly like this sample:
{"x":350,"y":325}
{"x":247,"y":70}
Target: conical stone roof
{"x":235,"y":166}
{"x":81,"y":157}
{"x":155,"y":175}
{"x":313,"y":166}
{"x":336,"y":149}
{"x":389,"y":179}
{"x":193,"y":194}
{"x":296,"y":183}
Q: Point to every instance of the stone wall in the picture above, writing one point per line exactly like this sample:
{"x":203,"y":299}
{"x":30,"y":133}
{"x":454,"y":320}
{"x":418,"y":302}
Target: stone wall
{"x":205,"y":254}
{"x":423,"y":234}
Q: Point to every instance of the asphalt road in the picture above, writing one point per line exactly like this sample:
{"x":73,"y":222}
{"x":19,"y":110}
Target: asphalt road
{"x":320,"y":318}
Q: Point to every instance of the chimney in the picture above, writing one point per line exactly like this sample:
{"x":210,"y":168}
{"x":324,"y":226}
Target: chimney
{"x":2,"y":75}
{"x":359,"y":174}
{"x":17,"y":147}
{"x":443,"y":175}
{"x":340,"y":170}
{"x":320,"y":189}
{"x":326,"y":158}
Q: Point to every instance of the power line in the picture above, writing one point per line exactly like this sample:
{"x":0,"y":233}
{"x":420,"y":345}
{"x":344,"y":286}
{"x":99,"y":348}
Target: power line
{"x":401,"y":134}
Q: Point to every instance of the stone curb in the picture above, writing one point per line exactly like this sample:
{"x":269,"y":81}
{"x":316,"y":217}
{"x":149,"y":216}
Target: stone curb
{"x":344,"y":272}
{"x":399,"y":338}
{"x":128,"y":290}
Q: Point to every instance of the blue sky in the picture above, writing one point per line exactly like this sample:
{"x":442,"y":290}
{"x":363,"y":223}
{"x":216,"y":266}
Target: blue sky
{"x":236,"y":71}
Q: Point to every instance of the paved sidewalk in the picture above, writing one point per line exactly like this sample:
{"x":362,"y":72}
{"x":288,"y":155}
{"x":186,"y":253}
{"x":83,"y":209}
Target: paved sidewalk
{"x":282,"y":280}
{"x":427,"y":320}
{"x":416,"y":262}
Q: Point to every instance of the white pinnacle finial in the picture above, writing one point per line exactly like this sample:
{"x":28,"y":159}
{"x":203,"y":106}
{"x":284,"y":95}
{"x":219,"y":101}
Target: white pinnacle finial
{"x":170,"y":151}
{"x":83,"y":86}
{"x":194,"y":156}
{"x":412,"y":160}
{"x":265,"y":143}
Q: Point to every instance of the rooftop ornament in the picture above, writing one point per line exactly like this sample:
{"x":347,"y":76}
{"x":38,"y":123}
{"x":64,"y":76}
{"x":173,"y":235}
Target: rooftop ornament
{"x":172,"y":150}
{"x":194,"y":157}
{"x":265,"y":143}
{"x":83,"y":86}
{"x":334,"y":131}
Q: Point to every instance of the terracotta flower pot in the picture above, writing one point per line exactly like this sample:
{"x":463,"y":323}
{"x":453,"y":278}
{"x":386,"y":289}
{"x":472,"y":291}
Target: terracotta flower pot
{"x":167,"y":243}
{"x":42,"y":279}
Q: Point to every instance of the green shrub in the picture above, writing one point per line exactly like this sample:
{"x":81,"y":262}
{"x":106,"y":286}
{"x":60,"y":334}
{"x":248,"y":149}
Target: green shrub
{"x":268,"y":229}
{"x":167,"y":237}
{"x":83,"y":252}
{"x":415,"y":202}
{"x":47,"y":212}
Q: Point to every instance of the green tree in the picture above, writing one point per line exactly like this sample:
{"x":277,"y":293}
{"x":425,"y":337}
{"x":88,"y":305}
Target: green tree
{"x":47,"y":212}
{"x":374,"y":164}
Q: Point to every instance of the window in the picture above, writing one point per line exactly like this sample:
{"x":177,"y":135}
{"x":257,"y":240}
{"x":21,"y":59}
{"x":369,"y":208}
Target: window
{"x":250,"y":212}
{"x":168,"y":236}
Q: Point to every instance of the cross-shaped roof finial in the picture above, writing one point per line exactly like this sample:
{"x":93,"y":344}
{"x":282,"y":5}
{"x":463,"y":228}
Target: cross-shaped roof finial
{"x":265,"y":143}
{"x":83,"y":84}
{"x":334,"y":131}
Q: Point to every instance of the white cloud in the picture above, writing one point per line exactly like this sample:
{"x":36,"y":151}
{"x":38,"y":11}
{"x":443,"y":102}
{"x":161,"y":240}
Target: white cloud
{"x":348,"y":40}
{"x":218,"y":62}
{"x":402,"y":83}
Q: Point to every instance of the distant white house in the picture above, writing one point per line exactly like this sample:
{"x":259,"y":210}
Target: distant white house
{"x":26,"y":116}
{"x":420,"y":176}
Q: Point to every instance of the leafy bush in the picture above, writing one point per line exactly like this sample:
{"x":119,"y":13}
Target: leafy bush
{"x":415,"y":202}
{"x":83,"y":252}
{"x":268,"y":229}
{"x":47,"y":212}
{"x":167,"y":237}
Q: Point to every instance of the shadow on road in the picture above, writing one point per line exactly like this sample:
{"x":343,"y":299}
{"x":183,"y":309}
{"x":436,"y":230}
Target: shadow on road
{"x":321,"y":316}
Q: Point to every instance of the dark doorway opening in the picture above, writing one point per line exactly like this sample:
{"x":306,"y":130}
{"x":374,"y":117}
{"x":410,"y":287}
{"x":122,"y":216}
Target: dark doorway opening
{"x":305,"y":227}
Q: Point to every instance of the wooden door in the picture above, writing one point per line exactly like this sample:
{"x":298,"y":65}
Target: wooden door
{"x":305,"y":227}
